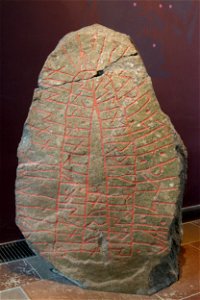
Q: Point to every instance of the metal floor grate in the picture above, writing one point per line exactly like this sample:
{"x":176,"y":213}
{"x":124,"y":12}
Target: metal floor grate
{"x":14,"y":250}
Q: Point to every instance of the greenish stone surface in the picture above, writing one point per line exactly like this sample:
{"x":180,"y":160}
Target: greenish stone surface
{"x":101,"y":168}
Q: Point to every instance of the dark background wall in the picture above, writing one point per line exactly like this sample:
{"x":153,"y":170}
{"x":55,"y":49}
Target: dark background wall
{"x":166,"y":34}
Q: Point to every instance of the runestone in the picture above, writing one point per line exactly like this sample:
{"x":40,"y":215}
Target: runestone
{"x":101,"y":169}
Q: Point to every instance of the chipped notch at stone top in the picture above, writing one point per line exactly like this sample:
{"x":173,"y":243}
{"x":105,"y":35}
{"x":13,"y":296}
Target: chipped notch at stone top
{"x":99,"y":73}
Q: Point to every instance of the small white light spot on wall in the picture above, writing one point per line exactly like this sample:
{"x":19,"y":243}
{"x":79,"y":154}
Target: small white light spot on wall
{"x":160,"y":5}
{"x":134,"y":4}
{"x":154,"y":45}
{"x":170,"y":5}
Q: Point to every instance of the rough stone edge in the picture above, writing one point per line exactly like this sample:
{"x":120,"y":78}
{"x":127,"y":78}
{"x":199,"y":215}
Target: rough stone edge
{"x":168,"y":270}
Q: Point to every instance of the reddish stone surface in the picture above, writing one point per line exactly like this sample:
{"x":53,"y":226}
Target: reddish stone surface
{"x":101,"y":168}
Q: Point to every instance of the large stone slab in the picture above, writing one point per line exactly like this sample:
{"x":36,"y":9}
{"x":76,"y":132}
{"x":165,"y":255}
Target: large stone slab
{"x":101,"y":169}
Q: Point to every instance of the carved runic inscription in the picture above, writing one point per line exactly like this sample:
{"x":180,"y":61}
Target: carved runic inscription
{"x":99,"y":171}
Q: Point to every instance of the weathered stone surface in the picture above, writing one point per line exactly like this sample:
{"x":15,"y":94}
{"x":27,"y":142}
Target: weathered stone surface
{"x":101,"y":168}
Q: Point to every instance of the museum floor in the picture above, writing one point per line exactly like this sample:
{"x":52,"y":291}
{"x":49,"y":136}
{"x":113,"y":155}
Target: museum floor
{"x":31,"y":278}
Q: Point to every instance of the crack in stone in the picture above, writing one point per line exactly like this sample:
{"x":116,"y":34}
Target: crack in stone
{"x":98,"y":73}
